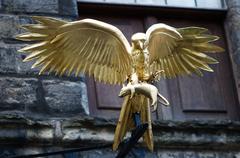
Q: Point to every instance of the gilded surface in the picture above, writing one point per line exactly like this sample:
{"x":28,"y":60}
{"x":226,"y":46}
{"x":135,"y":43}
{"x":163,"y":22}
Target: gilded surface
{"x":101,"y":50}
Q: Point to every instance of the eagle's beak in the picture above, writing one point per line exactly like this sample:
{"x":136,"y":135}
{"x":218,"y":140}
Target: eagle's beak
{"x":141,"y":44}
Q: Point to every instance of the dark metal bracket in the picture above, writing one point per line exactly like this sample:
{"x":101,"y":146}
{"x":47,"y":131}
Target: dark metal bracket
{"x":137,"y":133}
{"x":127,"y":146}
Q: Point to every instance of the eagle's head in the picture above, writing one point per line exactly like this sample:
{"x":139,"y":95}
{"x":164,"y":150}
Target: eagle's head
{"x":138,"y":40}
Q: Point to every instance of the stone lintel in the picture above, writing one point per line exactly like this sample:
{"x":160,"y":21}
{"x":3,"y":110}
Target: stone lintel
{"x":77,"y":131}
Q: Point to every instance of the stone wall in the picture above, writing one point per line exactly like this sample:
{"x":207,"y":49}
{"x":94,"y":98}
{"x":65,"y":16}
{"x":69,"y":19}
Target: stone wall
{"x":22,"y":90}
{"x":192,"y":139}
{"x":232,"y":25}
{"x":47,"y":113}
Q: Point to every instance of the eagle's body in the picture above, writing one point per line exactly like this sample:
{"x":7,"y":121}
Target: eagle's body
{"x":101,"y":50}
{"x":140,"y":64}
{"x":138,"y":103}
{"x":140,"y":57}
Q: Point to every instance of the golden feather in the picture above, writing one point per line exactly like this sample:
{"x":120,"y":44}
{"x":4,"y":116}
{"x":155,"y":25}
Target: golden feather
{"x":84,"y":46}
{"x":180,"y":51}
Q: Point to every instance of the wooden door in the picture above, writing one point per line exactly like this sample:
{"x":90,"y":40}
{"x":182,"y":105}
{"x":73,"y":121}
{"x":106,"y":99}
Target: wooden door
{"x":208,"y":97}
{"x":191,"y":97}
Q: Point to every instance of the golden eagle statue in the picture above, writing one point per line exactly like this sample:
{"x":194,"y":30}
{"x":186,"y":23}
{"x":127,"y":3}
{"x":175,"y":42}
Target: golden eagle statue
{"x":101,"y":50}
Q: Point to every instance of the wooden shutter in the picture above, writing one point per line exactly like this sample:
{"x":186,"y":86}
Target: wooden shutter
{"x":208,"y":97}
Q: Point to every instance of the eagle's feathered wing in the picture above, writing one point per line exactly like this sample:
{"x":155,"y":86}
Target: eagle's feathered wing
{"x":180,"y":51}
{"x":86,"y":46}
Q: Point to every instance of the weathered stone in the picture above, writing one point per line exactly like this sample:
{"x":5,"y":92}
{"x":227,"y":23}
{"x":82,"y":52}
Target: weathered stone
{"x":207,"y":155}
{"x":195,"y":154}
{"x":65,"y":97}
{"x":68,"y":7}
{"x":19,"y":129}
{"x":11,"y":61}
{"x":172,"y":154}
{"x":60,"y":7}
{"x":233,"y":3}
{"x":106,"y":153}
{"x":10,"y":25}
{"x":84,"y":132}
{"x":40,"y":134}
{"x":16,"y":93}
{"x":30,"y":6}
{"x":7,"y":60}
{"x":189,"y":154}
{"x":232,"y":27}
{"x":183,"y":135}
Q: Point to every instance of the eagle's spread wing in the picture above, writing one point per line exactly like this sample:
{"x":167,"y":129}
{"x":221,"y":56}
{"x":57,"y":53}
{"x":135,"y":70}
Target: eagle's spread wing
{"x":180,"y":51}
{"x":86,"y":46}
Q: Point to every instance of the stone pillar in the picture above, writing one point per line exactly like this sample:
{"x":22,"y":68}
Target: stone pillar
{"x":22,"y":90}
{"x":232,"y":27}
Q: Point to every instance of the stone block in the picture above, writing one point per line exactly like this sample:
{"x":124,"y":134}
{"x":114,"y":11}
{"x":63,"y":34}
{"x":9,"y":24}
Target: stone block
{"x":68,"y":7}
{"x":16,"y":93}
{"x":60,"y":7}
{"x":11,"y":61}
{"x":193,"y":154}
{"x":166,"y":154}
{"x":65,"y":98}
{"x":233,"y":3}
{"x":30,"y":6}
{"x":7,"y":60}
{"x":207,"y":155}
{"x":10,"y":25}
{"x":189,"y":154}
{"x":106,"y":153}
